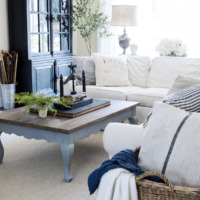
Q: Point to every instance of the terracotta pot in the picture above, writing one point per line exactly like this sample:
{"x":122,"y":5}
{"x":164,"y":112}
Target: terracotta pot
{"x":43,"y":112}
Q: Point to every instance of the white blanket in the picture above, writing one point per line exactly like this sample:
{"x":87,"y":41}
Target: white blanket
{"x":117,"y":184}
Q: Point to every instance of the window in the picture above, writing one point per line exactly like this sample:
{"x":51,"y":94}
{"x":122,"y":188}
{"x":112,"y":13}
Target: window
{"x":157,"y":19}
{"x":49,"y":26}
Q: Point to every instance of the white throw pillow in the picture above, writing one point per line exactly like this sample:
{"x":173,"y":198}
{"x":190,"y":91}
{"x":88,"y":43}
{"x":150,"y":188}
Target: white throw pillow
{"x":165,"y":69}
{"x":138,"y":70}
{"x":171,"y":145}
{"x":111,"y":70}
{"x":182,"y":82}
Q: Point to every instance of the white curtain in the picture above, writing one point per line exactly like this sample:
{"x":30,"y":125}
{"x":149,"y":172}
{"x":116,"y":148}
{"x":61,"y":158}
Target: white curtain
{"x":157,"y":19}
{"x":107,"y":45}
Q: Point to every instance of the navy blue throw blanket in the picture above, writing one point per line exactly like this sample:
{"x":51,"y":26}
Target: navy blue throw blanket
{"x":124,"y":159}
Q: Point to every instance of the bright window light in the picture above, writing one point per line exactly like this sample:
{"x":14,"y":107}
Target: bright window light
{"x":157,"y":19}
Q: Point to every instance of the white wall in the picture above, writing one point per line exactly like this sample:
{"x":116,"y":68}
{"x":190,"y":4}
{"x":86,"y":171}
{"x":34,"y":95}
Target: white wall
{"x":79,"y":47}
{"x":4,"y":41}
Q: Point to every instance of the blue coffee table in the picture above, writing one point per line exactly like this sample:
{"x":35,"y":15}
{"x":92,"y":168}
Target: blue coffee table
{"x":63,"y":130}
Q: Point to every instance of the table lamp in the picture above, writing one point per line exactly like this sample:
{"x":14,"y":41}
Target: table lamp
{"x":124,"y":15}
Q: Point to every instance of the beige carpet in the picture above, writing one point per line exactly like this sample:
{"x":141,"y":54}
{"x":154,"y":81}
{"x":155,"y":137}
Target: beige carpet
{"x":33,"y":169}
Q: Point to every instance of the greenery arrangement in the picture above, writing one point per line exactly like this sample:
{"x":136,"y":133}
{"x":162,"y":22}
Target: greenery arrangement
{"x":88,"y":21}
{"x":37,"y":101}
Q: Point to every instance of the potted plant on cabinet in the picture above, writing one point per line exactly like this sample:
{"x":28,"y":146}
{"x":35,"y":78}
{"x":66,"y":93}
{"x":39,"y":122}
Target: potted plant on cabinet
{"x":39,"y":102}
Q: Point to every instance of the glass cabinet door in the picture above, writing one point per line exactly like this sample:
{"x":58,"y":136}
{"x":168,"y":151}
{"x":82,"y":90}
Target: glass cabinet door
{"x":39,"y":26}
{"x":60,"y":25}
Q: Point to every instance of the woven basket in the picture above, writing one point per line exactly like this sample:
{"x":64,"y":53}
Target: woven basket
{"x":149,"y":190}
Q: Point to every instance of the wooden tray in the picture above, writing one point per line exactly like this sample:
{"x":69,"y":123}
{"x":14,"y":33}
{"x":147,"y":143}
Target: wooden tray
{"x":96,"y":104}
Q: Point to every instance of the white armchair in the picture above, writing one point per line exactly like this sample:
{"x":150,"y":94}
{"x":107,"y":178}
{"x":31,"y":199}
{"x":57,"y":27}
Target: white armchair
{"x":119,"y":136}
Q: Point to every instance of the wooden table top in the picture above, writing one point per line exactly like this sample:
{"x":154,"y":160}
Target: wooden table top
{"x":64,"y":124}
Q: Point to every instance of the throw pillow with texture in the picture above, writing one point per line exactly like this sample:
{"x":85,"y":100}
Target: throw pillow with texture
{"x":182,"y":82}
{"x":111,"y":70}
{"x":171,"y":145}
{"x":138,"y":70}
{"x":86,"y":64}
{"x":187,"y":99}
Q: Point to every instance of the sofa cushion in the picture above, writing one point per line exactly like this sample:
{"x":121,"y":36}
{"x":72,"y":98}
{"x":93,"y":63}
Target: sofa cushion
{"x":165,"y":69}
{"x":86,"y":64}
{"x":182,"y":82}
{"x":111,"y":70}
{"x":147,"y":96}
{"x":171,"y":145}
{"x":118,"y":93}
{"x":138,"y":70}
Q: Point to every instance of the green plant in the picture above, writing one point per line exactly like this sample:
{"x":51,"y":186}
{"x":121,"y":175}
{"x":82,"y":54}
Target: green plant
{"x":37,"y":101}
{"x":88,"y":21}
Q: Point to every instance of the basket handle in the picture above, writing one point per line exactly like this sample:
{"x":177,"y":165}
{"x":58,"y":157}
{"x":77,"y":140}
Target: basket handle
{"x":162,"y":176}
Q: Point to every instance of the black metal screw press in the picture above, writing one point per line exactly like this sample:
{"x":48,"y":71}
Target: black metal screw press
{"x":72,"y":77}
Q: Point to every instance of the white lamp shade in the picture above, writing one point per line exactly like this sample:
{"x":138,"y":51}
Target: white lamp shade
{"x":123,"y":15}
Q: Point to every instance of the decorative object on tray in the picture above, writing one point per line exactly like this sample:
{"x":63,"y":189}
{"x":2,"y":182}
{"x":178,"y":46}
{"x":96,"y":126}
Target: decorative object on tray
{"x":8,"y":73}
{"x":39,"y":102}
{"x":88,"y":21}
{"x":134,"y":48}
{"x":123,"y":16}
{"x":169,"y":47}
{"x":78,"y":99}
{"x":81,"y":104}
{"x":72,"y":77}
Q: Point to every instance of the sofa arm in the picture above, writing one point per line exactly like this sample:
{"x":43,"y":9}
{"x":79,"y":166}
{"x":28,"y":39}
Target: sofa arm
{"x":118,"y":136}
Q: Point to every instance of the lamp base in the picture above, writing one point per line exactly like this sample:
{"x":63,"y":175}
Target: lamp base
{"x":124,"y":41}
{"x":124,"y":44}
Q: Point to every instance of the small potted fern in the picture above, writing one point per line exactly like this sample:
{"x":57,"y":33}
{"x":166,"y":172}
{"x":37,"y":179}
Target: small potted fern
{"x":39,"y":102}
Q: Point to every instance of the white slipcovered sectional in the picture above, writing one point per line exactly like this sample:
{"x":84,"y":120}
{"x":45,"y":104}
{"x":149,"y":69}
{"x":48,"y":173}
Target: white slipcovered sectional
{"x":149,"y":79}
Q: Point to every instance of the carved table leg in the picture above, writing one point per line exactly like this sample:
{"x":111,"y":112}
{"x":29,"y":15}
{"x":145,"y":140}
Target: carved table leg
{"x":133,"y":119}
{"x":1,"y":151}
{"x":67,"y":154}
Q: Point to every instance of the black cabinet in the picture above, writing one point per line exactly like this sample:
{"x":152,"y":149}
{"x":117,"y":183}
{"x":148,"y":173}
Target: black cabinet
{"x":40,"y":30}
